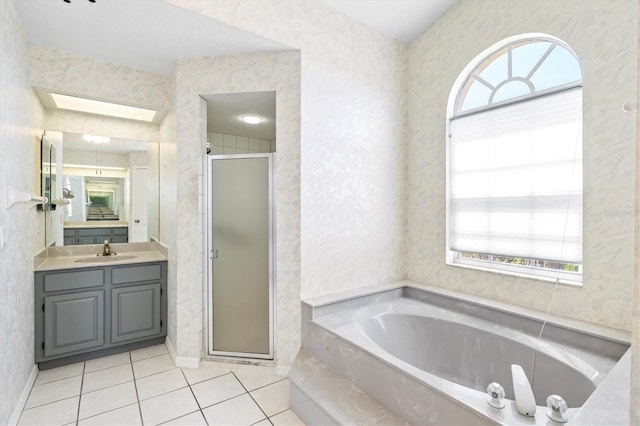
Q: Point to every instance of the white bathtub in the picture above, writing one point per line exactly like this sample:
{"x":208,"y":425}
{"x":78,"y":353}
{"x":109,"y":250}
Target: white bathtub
{"x":431,"y":362}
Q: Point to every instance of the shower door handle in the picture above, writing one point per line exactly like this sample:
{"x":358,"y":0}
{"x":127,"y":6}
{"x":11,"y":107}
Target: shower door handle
{"x":214,"y":254}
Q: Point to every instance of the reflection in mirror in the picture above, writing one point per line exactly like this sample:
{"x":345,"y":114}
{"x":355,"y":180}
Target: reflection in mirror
{"x":110,"y":190}
{"x":50,"y":185}
{"x":46,"y":177}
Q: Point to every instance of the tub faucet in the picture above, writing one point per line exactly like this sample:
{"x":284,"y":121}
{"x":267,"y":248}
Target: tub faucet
{"x":525,"y":400}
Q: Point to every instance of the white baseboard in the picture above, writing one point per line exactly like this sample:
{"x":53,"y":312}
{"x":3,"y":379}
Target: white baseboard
{"x":181,"y":361}
{"x":171,"y":349}
{"x":17,"y":411}
{"x":187,"y":361}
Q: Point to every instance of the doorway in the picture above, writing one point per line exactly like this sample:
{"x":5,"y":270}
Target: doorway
{"x":241,"y":252}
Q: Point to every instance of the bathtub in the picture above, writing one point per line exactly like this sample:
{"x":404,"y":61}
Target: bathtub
{"x":429,"y":357}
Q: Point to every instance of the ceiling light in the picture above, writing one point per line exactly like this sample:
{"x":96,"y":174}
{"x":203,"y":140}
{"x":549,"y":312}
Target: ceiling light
{"x":251,"y":119}
{"x":96,"y":139}
{"x":102,"y":108}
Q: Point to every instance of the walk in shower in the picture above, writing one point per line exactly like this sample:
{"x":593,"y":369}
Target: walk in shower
{"x":241,"y":252}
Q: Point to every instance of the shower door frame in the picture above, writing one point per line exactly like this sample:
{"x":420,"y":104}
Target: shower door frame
{"x":210,"y":258}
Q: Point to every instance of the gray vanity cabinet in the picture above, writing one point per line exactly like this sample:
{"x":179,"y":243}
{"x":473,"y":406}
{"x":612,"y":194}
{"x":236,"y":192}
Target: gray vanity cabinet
{"x":135,"y":312}
{"x":107,"y":309}
{"x":64,"y":333}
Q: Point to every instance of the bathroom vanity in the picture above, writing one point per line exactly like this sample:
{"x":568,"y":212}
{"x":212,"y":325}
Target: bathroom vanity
{"x":88,"y":306}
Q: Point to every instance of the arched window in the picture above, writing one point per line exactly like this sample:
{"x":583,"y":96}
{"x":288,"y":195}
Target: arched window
{"x":515,"y":160}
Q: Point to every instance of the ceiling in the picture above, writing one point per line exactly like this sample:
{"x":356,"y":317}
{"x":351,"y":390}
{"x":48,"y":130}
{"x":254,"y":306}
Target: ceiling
{"x":151,"y":35}
{"x":403,"y":20}
{"x":148,"y":35}
{"x":224,"y":111}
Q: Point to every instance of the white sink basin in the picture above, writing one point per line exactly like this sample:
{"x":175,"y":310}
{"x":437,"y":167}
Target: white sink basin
{"x":104,"y":259}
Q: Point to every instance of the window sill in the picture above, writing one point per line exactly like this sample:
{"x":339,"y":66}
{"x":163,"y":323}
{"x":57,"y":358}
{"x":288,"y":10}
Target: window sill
{"x":570,"y":279}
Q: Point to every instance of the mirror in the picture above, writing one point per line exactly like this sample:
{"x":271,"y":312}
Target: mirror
{"x":47,"y":178}
{"x":110,"y":190}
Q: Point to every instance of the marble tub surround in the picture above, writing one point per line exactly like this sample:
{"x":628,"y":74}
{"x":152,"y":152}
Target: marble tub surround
{"x":331,"y":334}
{"x":320,"y":395}
{"x":333,"y":302}
{"x":65,"y":257}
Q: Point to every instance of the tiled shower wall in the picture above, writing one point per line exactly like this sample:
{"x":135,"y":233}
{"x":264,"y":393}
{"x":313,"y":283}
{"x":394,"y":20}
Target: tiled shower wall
{"x":221,"y":143}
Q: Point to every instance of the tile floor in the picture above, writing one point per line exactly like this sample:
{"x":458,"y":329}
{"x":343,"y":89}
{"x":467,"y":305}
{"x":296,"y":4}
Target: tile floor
{"x":144,"y":387}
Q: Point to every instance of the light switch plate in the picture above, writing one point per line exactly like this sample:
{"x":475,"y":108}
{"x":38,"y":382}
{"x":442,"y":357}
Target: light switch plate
{"x":3,"y":237}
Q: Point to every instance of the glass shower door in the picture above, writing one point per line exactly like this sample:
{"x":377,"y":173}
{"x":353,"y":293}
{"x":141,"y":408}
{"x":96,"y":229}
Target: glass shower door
{"x":241,"y":256}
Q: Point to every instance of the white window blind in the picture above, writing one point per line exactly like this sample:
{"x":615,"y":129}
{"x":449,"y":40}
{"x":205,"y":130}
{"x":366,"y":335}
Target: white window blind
{"x":516,"y":179}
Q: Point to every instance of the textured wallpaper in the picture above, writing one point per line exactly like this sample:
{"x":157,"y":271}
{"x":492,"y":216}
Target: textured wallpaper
{"x":227,"y":74}
{"x":604,"y":36}
{"x":352,"y":133}
{"x":69,"y":73}
{"x":635,"y":325}
{"x":168,"y":206}
{"x":20,"y":117}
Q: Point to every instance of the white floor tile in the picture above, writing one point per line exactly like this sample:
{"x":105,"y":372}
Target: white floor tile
{"x":149,"y":352}
{"x":56,"y":413}
{"x":287,"y":418}
{"x":48,"y":376}
{"x":205,"y":372}
{"x":106,"y":362}
{"x":240,"y":410}
{"x":215,"y":390}
{"x":263,"y":422}
{"x":193,"y":419}
{"x":54,"y":391}
{"x":168,"y":406}
{"x":107,"y":399}
{"x":108,"y":377}
{"x":160,"y":383}
{"x":149,"y":366}
{"x":273,"y":399}
{"x":254,"y":380}
{"x":125,"y":416}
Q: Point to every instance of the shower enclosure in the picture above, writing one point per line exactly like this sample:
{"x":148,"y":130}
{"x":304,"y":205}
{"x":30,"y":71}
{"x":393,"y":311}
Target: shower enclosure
{"x":240,"y":255}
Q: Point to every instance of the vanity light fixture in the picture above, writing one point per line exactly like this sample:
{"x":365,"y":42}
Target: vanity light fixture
{"x":96,"y":139}
{"x":91,"y":106}
{"x":251,"y":119}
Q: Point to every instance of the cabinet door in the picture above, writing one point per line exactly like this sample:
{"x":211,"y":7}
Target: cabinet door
{"x":135,"y":312}
{"x":86,"y":240}
{"x":73,"y":322}
{"x":119,"y":239}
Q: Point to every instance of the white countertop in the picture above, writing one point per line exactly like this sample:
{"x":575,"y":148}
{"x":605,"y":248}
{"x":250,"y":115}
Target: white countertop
{"x":71,"y":257}
{"x":97,"y":224}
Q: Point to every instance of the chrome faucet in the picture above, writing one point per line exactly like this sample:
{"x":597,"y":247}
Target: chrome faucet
{"x":525,"y":400}
{"x":106,"y":250}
